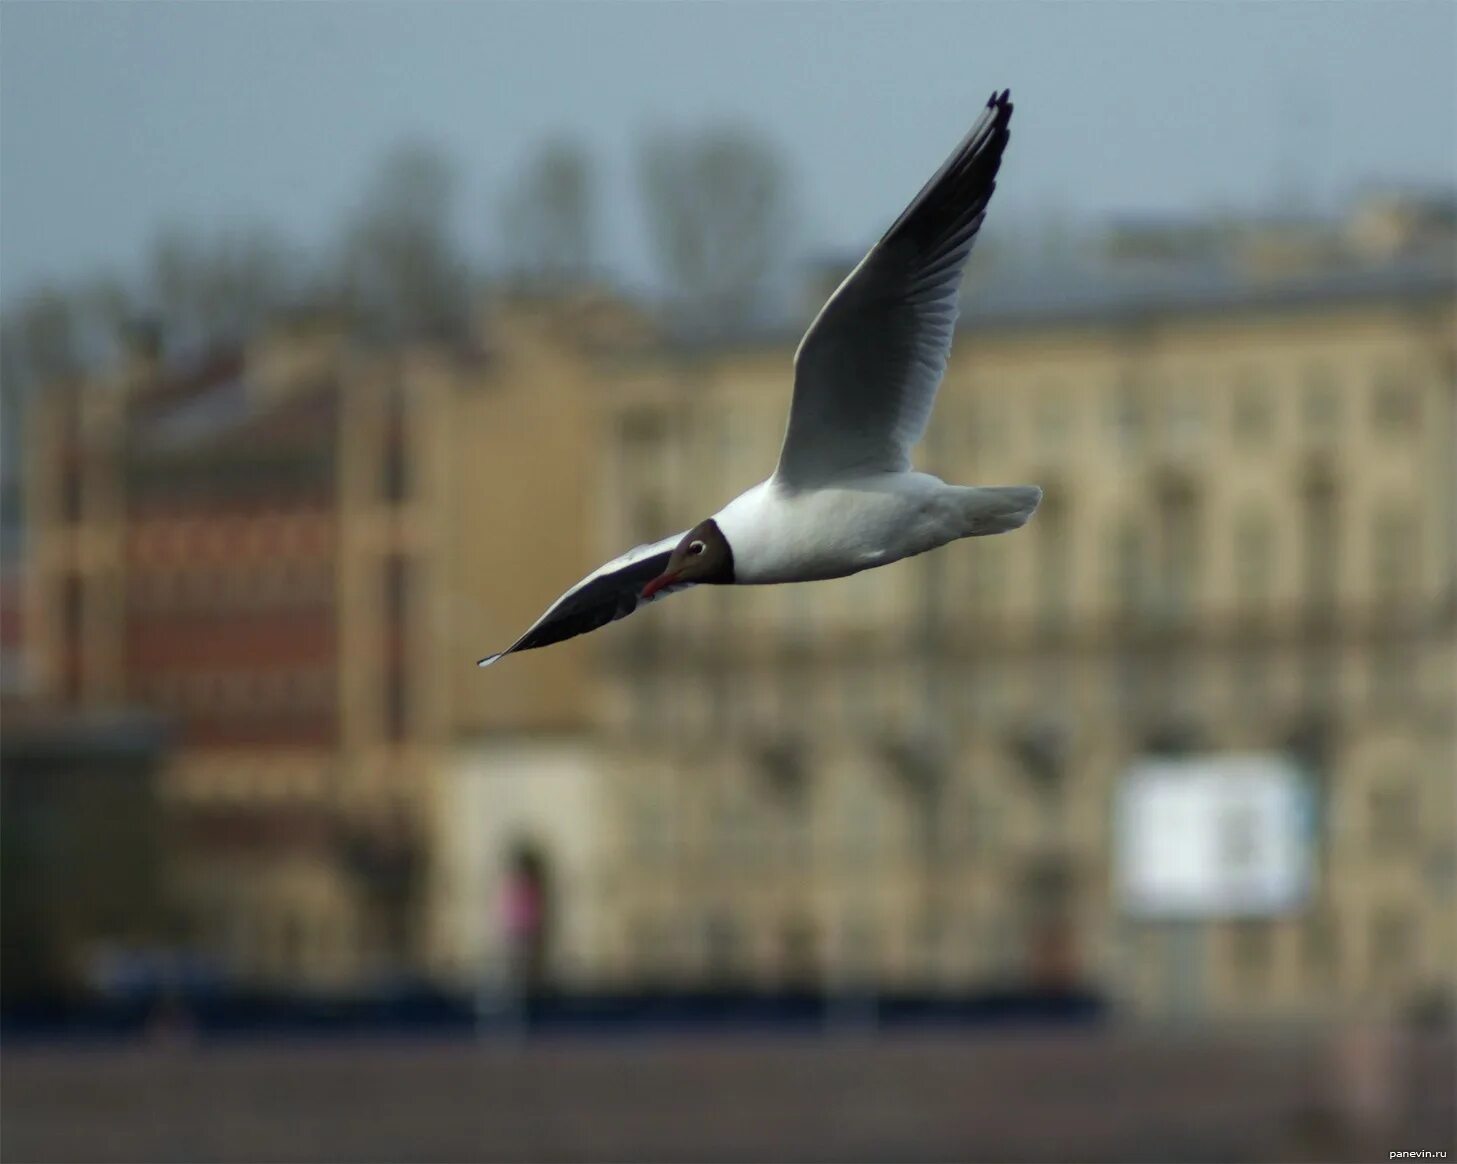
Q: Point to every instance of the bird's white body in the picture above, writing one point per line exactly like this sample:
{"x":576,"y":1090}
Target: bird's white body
{"x":783,"y":534}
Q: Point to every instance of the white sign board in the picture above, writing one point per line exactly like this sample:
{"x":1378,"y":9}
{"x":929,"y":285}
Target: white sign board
{"x":1213,"y":836}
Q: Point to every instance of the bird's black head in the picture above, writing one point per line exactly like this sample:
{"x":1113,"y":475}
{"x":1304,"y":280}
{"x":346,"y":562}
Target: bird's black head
{"x":703,"y":556}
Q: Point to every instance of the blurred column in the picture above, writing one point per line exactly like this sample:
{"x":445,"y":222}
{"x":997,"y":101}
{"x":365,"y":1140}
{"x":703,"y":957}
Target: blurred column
{"x":932,"y":747}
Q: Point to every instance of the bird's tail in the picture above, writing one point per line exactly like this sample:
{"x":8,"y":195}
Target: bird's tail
{"x":999,"y":508}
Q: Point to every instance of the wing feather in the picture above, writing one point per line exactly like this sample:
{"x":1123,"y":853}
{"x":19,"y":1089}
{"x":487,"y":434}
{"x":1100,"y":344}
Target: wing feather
{"x":867,"y":370}
{"x":608,"y":593}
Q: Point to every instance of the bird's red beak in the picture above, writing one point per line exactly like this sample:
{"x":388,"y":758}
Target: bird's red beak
{"x":657,"y":584}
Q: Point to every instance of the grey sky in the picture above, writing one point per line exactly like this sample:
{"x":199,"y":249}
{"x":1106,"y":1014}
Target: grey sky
{"x":118,"y":118}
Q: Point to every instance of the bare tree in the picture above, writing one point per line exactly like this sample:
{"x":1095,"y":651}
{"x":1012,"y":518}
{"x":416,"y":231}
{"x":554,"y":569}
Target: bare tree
{"x":14,"y":390}
{"x":549,"y":218}
{"x":219,"y":287}
{"x":42,"y":339}
{"x":402,"y":274}
{"x":39,"y":344}
{"x":106,"y":308}
{"x":57,"y":334}
{"x":719,"y":218}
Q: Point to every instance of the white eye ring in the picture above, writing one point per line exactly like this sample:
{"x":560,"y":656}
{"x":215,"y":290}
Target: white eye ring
{"x":696,"y":547}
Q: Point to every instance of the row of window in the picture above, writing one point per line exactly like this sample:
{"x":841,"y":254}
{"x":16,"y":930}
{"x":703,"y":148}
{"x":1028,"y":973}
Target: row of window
{"x":1326,"y":948}
{"x":751,"y":819}
{"x":243,"y":693}
{"x":1183,"y":413}
{"x":280,"y":583}
{"x":262,"y":781}
{"x":1162,"y":566}
{"x":869,"y":697}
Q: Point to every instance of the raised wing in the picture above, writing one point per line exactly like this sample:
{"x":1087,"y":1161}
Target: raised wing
{"x":608,"y":593}
{"x":867,"y":370}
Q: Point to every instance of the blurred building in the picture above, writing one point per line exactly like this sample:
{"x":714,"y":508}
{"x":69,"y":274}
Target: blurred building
{"x":296,"y":550}
{"x":911,"y":777}
{"x":1385,"y":225}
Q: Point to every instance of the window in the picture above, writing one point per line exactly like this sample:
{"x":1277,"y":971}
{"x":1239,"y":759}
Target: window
{"x":860,"y":945}
{"x":1391,"y":816}
{"x":647,"y":522}
{"x":1395,"y":404}
{"x":799,"y":952}
{"x":740,"y":825}
{"x":1054,"y":419}
{"x":651,"y":940}
{"x":641,"y":428}
{"x":1128,"y":573}
{"x":1252,"y":561}
{"x":396,"y":589}
{"x":1322,"y":548}
{"x":986,"y":561}
{"x":1184,"y":413}
{"x":723,"y":947}
{"x":1394,"y":552}
{"x":394,"y":462}
{"x":988,"y":425}
{"x":293,"y":938}
{"x":1054,"y":575}
{"x":784,"y":768}
{"x":861,"y":820}
{"x":1252,"y":674}
{"x":1393,"y":671}
{"x":1128,"y":415}
{"x":1253,"y":410}
{"x":651,"y":826}
{"x":1321,"y":410}
{"x":1180,"y":542}
{"x":1320,"y":947}
{"x":1392,"y":943}
{"x":976,"y":816}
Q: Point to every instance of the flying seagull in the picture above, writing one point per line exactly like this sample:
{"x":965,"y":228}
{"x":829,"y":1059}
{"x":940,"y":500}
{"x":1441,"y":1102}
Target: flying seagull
{"x":843,"y":497}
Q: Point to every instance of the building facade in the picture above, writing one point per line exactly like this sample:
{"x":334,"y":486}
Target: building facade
{"x":904,"y":780}
{"x":295,"y":551}
{"x":908,"y":777}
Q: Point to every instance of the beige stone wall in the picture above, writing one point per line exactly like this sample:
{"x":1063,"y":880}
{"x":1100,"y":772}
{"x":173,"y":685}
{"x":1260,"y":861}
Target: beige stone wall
{"x":718,"y":867}
{"x":759,"y":748}
{"x":519,"y":454}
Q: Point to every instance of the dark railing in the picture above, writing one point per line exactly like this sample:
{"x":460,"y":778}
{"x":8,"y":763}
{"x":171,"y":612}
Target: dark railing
{"x":212,"y":1013}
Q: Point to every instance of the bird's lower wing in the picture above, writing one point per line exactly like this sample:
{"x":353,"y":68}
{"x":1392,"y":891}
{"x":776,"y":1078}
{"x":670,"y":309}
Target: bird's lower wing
{"x":611,"y":592}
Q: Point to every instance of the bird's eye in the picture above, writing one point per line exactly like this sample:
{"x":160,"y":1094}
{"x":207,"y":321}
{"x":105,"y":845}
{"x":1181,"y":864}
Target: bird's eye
{"x":696,"y":547}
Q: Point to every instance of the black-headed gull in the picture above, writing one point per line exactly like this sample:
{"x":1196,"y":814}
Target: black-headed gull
{"x":844,"y":497}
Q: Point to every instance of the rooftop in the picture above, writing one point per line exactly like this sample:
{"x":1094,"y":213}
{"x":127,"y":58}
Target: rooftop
{"x":1090,"y":294}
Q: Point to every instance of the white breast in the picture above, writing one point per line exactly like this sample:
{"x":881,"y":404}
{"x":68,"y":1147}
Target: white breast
{"x":783,"y":535}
